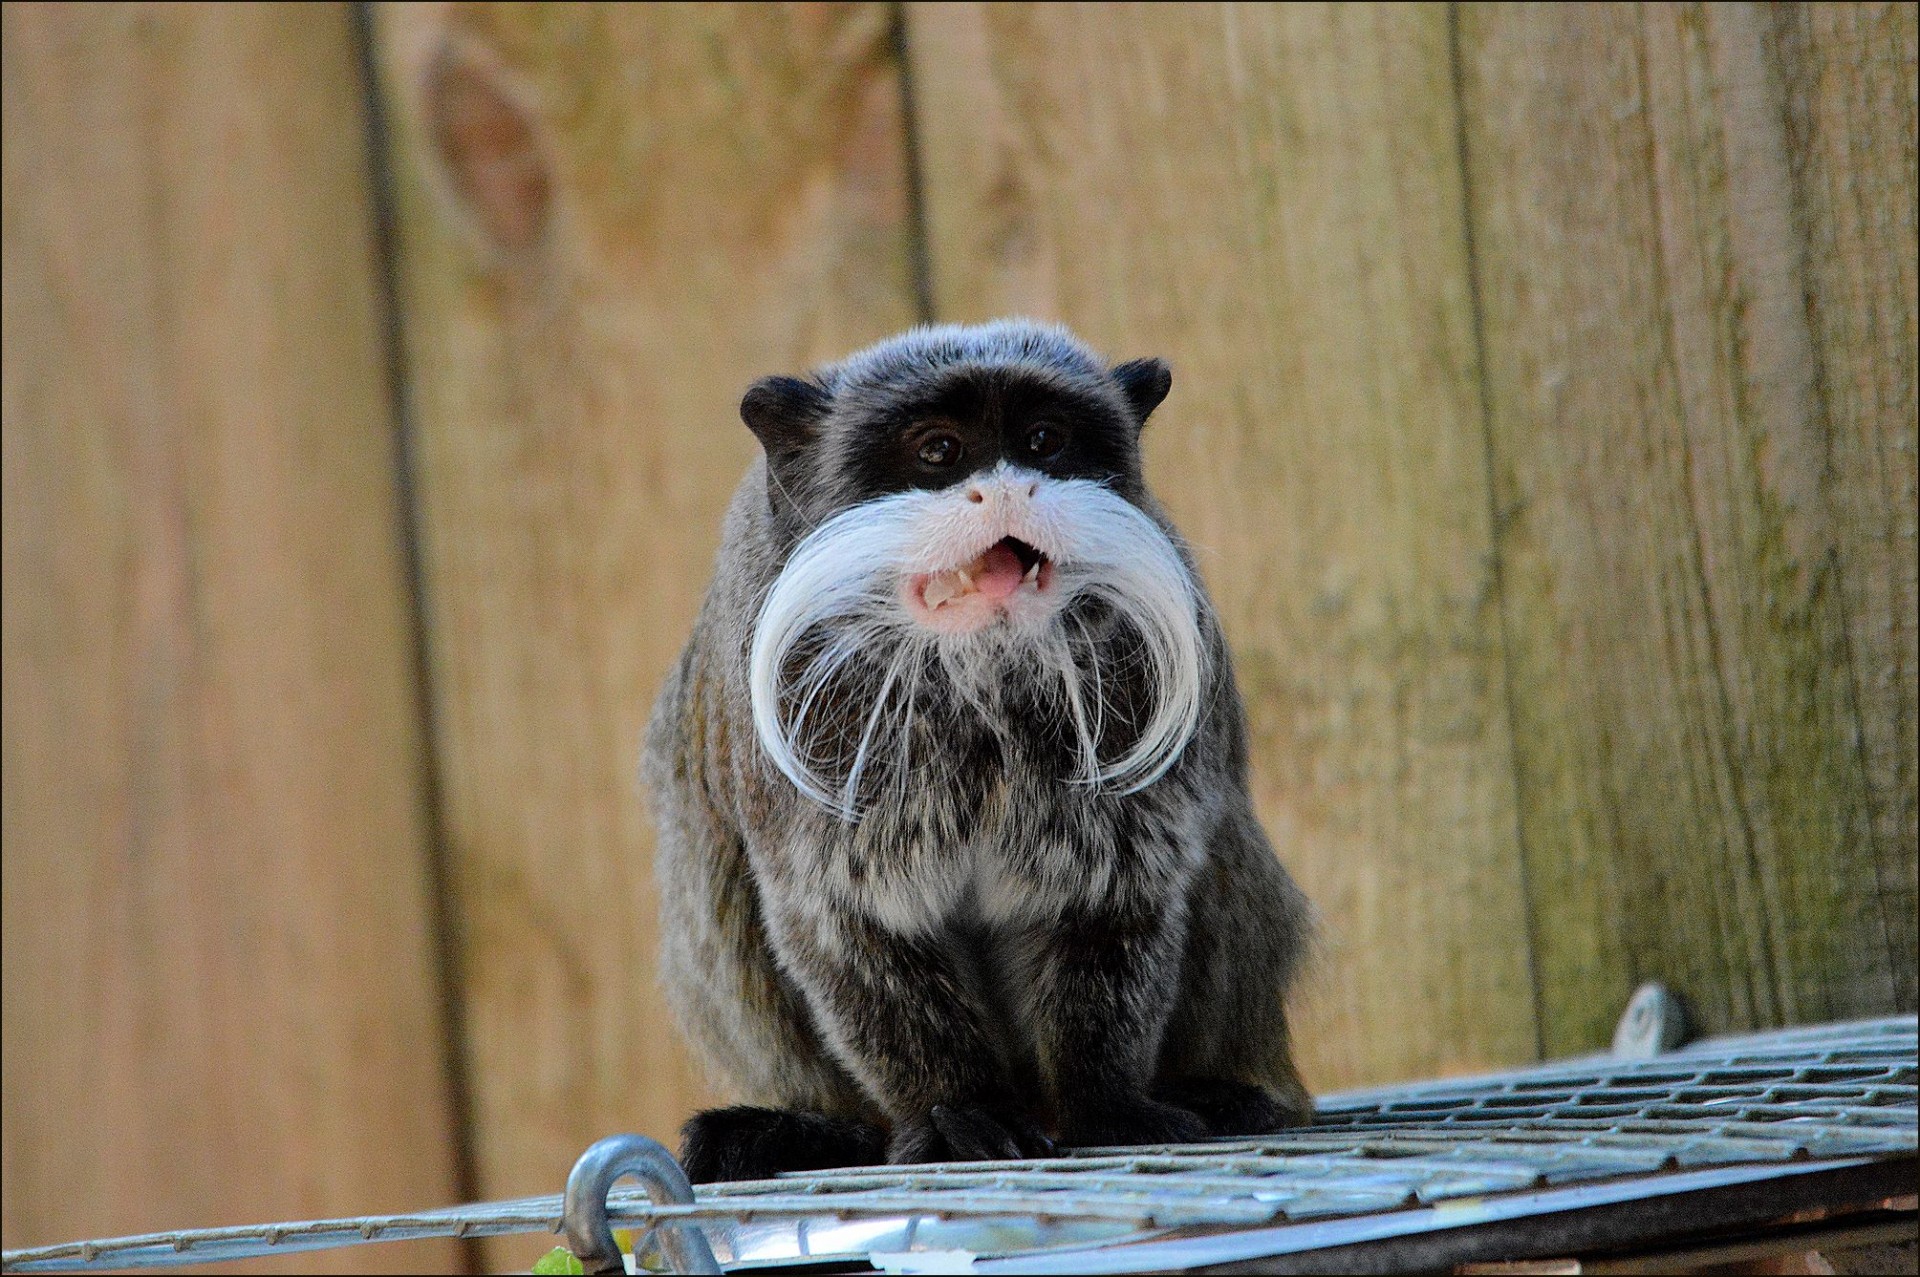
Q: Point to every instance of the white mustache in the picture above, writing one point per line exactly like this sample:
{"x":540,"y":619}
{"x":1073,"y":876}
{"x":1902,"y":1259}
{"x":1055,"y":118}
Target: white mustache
{"x":840,"y":589}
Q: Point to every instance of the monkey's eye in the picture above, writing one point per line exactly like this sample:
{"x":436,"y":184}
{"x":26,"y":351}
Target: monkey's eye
{"x":1046,"y":440}
{"x":939,"y":450}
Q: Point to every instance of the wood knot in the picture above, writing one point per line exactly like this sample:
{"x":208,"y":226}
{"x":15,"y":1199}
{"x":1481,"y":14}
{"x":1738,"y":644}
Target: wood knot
{"x":486,"y":141}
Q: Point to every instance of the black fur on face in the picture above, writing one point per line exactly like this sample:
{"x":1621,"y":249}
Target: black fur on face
{"x":933,"y":406}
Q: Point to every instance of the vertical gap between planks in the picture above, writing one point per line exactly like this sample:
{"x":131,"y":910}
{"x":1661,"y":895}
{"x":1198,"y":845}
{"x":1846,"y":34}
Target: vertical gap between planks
{"x":1457,"y":69}
{"x":442,"y":922}
{"x":919,"y":249}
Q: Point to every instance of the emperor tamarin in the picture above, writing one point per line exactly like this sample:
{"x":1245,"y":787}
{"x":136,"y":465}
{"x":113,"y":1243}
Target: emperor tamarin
{"x":957,"y":859}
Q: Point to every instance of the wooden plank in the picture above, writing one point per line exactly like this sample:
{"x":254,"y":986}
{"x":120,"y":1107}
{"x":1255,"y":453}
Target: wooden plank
{"x":220,"y":1003}
{"x":1853,"y":128}
{"x":1269,"y":197}
{"x":1682,"y":558}
{"x":612,"y":219}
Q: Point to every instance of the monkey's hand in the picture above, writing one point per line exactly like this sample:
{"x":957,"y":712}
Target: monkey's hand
{"x":967,"y":1133}
{"x":1130,"y":1120}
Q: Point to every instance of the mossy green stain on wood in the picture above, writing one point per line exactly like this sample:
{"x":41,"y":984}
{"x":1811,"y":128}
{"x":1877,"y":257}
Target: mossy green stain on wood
{"x":1695,"y":804}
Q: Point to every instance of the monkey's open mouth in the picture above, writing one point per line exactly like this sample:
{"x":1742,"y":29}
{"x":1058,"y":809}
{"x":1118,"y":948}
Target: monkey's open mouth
{"x":995,"y":576}
{"x":1030,"y":558}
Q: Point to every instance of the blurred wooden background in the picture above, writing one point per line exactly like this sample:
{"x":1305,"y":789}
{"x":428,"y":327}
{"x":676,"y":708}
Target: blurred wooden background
{"x":1544,"y":412}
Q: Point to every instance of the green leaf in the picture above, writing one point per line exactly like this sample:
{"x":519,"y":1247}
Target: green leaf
{"x":558,"y":1260}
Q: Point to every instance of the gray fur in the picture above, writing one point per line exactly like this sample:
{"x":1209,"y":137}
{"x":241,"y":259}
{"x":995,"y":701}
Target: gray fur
{"x":985,"y":938}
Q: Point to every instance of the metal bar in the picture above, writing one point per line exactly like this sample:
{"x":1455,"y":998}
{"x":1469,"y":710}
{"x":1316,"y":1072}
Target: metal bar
{"x":1554,"y":1221}
{"x":1769,"y":1103}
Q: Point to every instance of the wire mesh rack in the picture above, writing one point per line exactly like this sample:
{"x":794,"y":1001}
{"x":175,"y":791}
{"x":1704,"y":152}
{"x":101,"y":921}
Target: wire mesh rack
{"x":1383,"y":1163}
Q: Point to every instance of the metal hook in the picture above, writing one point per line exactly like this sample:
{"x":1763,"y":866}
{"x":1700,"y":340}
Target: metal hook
{"x":590,"y":1236}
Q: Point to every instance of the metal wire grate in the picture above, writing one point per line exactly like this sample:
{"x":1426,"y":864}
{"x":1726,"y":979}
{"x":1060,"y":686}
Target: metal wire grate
{"x":1742,"y":1104}
{"x":1845,"y":1076}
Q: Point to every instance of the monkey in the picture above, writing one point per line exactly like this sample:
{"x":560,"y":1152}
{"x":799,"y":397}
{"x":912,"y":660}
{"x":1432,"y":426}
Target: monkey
{"x":957,"y":858}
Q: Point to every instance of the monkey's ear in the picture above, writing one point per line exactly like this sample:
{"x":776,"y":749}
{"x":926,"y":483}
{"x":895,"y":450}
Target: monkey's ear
{"x":784,"y":412}
{"x":1145,"y":382}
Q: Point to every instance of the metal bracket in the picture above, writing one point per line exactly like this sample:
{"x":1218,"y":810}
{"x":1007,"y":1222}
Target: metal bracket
{"x":584,"y":1217}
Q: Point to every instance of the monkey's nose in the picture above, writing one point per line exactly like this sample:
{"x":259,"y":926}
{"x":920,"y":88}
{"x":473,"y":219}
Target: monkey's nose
{"x":977,"y":493}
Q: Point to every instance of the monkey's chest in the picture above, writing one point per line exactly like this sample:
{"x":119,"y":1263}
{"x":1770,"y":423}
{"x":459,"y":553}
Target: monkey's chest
{"x":990,"y":835}
{"x":925,"y":874}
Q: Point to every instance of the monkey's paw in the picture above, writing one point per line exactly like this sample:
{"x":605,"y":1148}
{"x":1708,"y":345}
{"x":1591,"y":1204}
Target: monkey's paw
{"x":1239,"y":1108}
{"x":967,"y":1133}
{"x":743,"y":1142}
{"x":1134,"y":1120}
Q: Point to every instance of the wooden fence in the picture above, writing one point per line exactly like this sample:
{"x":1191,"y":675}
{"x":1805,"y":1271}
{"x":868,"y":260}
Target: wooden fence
{"x":1544,"y":413}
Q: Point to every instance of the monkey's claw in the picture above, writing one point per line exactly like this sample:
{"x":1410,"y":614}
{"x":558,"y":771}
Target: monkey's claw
{"x":1239,"y":1108}
{"x":967,"y":1133}
{"x":1133,"y":1121}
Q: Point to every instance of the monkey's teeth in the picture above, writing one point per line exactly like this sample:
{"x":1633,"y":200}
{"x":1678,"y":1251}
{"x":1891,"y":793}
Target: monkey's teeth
{"x":944,"y":588}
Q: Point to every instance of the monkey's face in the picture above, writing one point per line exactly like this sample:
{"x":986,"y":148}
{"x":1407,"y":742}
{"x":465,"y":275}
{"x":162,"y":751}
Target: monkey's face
{"x":966,"y":513}
{"x":993,"y":449}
